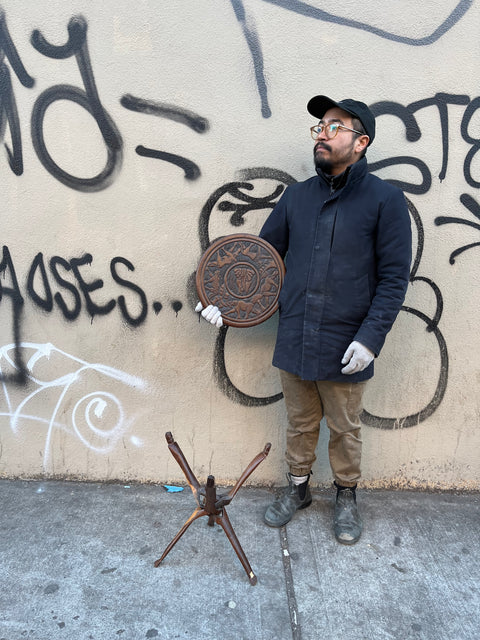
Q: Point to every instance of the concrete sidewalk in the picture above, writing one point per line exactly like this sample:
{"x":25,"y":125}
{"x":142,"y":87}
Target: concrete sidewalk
{"x":77,"y":564}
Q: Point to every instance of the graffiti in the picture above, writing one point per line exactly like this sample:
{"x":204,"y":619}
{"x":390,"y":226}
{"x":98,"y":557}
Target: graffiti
{"x":68,"y":285}
{"x":309,"y":10}
{"x":473,"y":206}
{"x":190,"y":119}
{"x":470,"y":112}
{"x":88,"y":98}
{"x":8,"y":105}
{"x":97,"y":419}
{"x":243,"y":203}
{"x":237,"y":201}
{"x":75,"y":292}
{"x":6,"y":266}
{"x":133,"y":321}
{"x":191,"y":170}
{"x":82,"y":289}
{"x":416,"y":418}
{"x":184,"y":116}
{"x":255,"y":47}
{"x":413,"y":133}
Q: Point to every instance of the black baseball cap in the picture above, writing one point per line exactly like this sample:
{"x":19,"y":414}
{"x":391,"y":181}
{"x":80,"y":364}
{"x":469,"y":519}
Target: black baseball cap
{"x":319,"y":105}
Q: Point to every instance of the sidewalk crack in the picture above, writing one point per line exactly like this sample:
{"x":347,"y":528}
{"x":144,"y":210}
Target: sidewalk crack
{"x":291,"y":599}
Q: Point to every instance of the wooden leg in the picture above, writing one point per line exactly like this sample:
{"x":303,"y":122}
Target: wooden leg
{"x":198,"y":513}
{"x":224,"y":521}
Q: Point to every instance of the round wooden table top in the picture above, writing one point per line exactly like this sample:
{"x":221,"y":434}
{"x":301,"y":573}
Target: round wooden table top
{"x":242,"y":275}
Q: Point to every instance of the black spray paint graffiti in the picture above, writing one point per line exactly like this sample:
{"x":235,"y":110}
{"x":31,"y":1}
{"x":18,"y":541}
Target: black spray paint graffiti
{"x":304,"y":8}
{"x":192,"y":120}
{"x":240,"y":191}
{"x":470,"y":203}
{"x":13,"y":292}
{"x":69,"y":286}
{"x":413,"y":133}
{"x":247,"y":202}
{"x":75,"y":289}
{"x":38,"y":278}
{"x":87,"y":98}
{"x":474,"y":208}
{"x":431,"y":327}
{"x":8,"y":105}
{"x":236,"y":200}
{"x":255,"y":47}
{"x":441,"y":101}
{"x":406,"y":113}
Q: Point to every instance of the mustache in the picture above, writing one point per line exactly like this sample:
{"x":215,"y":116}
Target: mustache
{"x":321,"y":145}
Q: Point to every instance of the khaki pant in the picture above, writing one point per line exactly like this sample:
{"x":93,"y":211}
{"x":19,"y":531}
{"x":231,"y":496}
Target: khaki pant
{"x":307,"y":403}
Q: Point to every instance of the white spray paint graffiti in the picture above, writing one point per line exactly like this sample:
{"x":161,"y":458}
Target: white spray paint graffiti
{"x":97,"y":419}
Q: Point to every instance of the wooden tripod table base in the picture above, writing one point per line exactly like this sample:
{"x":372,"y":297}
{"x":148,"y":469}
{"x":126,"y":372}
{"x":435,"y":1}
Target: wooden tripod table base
{"x":211,"y":505}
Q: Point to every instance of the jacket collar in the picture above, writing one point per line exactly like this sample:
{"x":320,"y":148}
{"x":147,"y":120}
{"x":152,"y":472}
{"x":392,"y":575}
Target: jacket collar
{"x":351,"y":174}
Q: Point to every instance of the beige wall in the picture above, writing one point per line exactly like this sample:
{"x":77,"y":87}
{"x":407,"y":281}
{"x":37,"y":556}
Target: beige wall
{"x":101,"y":352}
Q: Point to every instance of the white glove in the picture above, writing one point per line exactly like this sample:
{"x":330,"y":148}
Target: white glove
{"x":358,"y":358}
{"x":211,"y":314}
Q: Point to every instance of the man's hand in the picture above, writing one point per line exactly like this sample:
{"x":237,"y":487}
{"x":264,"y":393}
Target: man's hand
{"x":211,"y":314}
{"x":358,"y":358}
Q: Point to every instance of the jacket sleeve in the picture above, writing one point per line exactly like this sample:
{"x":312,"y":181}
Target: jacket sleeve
{"x":393,"y":249}
{"x":275,"y":229}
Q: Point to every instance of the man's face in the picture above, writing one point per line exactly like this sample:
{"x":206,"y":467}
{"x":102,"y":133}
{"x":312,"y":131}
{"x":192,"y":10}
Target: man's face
{"x":334,"y":155}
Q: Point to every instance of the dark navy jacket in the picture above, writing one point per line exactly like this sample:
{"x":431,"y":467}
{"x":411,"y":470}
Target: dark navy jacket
{"x":347,"y":257}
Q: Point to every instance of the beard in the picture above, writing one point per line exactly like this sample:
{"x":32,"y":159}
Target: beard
{"x":328,"y":163}
{"x":323,"y":165}
{"x":320,"y":161}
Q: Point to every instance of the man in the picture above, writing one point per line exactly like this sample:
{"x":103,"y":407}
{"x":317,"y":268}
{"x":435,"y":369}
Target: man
{"x":346,"y":239}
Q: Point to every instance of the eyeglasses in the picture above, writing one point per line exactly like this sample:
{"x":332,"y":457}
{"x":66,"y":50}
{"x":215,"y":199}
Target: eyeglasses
{"x":331,"y":130}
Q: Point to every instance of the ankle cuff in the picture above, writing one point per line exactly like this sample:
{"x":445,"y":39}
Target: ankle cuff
{"x":297,"y":480}
{"x":341,"y":487}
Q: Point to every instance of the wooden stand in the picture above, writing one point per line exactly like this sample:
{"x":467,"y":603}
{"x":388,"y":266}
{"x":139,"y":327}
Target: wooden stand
{"x":211,"y":505}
